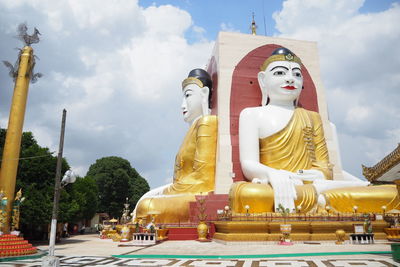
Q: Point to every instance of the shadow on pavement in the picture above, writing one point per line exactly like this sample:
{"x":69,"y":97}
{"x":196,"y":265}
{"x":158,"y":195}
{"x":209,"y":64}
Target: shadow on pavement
{"x":63,"y":241}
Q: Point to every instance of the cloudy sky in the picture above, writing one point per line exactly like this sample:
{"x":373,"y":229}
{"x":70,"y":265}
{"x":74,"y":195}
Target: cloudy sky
{"x":116,"y":66}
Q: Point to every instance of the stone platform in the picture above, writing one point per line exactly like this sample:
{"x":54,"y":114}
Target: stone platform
{"x":90,"y":250}
{"x":12,"y":245}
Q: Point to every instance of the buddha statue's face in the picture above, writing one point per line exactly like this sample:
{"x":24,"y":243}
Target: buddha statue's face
{"x":282,"y":82}
{"x":193,"y":97}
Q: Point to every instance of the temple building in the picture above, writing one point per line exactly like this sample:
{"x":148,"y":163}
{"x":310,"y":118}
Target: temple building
{"x":260,"y":139}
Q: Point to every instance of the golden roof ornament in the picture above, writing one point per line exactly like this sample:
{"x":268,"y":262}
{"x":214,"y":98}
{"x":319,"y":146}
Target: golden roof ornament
{"x":388,"y":162}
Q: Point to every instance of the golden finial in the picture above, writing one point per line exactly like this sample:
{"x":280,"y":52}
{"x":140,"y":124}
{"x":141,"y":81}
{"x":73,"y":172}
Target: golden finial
{"x":253,"y":26}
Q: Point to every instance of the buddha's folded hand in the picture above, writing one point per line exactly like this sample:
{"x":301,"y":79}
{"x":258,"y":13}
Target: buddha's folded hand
{"x":284,"y":189}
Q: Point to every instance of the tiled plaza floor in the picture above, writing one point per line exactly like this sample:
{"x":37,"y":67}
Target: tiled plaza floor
{"x":306,"y":262}
{"x":89,"y":250}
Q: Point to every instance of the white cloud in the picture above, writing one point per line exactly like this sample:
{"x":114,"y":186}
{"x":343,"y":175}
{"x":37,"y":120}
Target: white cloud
{"x":357,"y":114}
{"x":166,"y":21}
{"x":93,"y":14}
{"x":359,"y":65}
{"x":298,"y":17}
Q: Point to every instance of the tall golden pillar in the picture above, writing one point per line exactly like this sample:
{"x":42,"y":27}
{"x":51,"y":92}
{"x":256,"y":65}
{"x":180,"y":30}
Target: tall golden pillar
{"x":12,"y":146}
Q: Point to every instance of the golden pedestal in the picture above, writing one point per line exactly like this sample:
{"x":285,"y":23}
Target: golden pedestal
{"x":162,"y":234}
{"x":202,"y":231}
{"x":392,"y":233}
{"x":301,"y":230}
{"x":341,"y":236}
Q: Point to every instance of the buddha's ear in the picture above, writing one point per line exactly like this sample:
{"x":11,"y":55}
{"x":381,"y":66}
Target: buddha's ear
{"x":205,"y":92}
{"x":261,"y":82}
{"x":261,"y":78}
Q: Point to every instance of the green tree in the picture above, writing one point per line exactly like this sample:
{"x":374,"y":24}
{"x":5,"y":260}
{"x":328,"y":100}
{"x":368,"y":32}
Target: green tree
{"x":116,"y":180}
{"x":35,"y":176}
{"x":78,"y":201}
{"x":85,"y":194}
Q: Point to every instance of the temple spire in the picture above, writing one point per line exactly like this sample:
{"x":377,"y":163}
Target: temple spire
{"x":253,"y":26}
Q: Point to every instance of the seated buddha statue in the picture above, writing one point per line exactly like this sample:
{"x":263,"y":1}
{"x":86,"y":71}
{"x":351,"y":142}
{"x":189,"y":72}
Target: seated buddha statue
{"x":284,"y":156}
{"x":194,"y":170}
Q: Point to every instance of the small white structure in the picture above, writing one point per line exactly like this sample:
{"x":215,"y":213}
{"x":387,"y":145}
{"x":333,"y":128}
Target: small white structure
{"x":144,"y":239}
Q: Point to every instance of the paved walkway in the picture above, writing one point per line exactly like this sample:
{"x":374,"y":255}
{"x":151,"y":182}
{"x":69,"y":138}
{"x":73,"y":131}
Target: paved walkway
{"x":89,"y":250}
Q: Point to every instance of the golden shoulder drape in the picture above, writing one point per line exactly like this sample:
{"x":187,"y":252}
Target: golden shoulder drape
{"x":300,"y":145}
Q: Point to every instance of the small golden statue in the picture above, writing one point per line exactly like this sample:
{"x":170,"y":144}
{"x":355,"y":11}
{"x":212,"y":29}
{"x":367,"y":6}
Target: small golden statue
{"x":16,"y":210}
{"x":3,"y":212}
{"x":125,"y":215}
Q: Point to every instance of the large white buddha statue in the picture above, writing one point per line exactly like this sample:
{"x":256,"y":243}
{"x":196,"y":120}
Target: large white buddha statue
{"x":194,"y":170}
{"x":283,"y":152}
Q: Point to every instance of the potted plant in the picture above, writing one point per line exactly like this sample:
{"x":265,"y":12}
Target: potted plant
{"x":286,"y":229}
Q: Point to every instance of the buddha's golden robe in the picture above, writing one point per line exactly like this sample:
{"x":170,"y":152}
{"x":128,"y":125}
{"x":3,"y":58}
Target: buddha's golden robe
{"x":298,"y":146}
{"x":194,"y":173}
{"x":301,"y":145}
{"x":195,"y":162}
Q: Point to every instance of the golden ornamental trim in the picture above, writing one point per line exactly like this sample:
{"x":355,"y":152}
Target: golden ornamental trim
{"x":192,"y":80}
{"x":279,"y":57}
{"x":388,"y":162}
